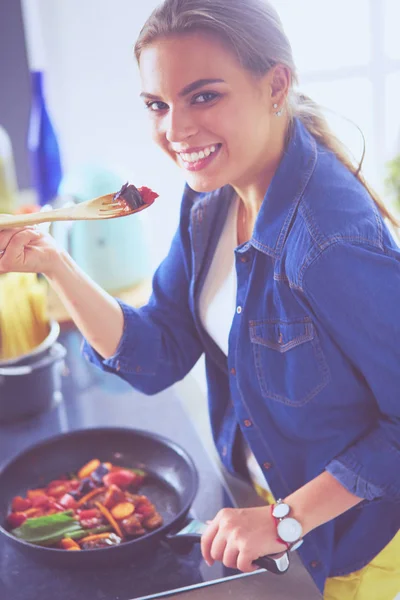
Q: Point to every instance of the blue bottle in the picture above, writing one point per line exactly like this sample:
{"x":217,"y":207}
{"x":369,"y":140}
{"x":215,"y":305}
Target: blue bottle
{"x":43,"y":146}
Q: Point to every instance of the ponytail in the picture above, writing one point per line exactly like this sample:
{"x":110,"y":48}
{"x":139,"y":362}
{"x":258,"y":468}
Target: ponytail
{"x":310,"y":114}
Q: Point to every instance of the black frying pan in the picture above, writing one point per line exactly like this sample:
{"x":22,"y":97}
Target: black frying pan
{"x":171,"y":485}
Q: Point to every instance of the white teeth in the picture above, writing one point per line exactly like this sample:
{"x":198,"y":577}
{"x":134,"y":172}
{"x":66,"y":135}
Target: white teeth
{"x":196,"y":156}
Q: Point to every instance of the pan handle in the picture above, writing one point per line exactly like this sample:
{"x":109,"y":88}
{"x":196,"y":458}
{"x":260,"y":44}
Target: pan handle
{"x":193,"y":530}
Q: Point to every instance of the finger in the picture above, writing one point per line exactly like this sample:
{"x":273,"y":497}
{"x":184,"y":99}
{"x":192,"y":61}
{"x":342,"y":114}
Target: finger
{"x":16,"y":246}
{"x":245,"y":562}
{"x":218,"y":547}
{"x":206,"y":542}
{"x":230,"y":557}
{"x":6,"y":235}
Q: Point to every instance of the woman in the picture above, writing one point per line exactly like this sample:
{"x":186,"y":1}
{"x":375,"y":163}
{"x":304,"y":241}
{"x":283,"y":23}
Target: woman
{"x":284,"y":274}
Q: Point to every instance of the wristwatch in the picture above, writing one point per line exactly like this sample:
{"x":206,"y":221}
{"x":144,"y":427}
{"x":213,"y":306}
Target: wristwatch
{"x":289,"y":529}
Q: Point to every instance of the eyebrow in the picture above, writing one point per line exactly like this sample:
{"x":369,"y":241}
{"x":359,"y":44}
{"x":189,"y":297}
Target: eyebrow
{"x":195,"y":85}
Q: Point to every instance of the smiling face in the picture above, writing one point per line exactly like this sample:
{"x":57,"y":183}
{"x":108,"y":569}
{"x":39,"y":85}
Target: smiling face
{"x":211,"y":116}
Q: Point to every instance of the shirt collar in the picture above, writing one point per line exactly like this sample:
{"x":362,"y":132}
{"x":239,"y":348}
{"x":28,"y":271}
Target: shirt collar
{"x":285,"y":191}
{"x":280,"y":202}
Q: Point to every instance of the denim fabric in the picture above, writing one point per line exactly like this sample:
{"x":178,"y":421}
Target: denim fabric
{"x":312,"y":375}
{"x":354,"y":483}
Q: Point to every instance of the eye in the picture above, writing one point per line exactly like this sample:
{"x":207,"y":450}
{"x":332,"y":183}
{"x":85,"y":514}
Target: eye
{"x":205,"y":97}
{"x":155,"y":105}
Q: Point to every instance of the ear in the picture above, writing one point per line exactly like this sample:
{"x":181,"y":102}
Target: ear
{"x":280,"y":79}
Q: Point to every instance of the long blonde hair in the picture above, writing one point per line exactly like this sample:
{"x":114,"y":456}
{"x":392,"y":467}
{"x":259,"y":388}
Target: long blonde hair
{"x":254,"y":32}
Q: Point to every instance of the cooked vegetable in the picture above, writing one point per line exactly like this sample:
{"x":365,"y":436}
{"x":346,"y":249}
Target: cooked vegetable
{"x":32,"y":494}
{"x":110,"y":540}
{"x":113,"y":496}
{"x":133,"y":525}
{"x":122,"y":510}
{"x":20,"y":504}
{"x":122,"y":478}
{"x":153,"y":522}
{"x":91,"y":513}
{"x":96,"y":536}
{"x":110,"y":518}
{"x":98,"y":474}
{"x":146,"y":508}
{"x":90,"y":495}
{"x":82,"y":513}
{"x":33,"y":512}
{"x":40,"y":500}
{"x":57,"y":489}
{"x":48,"y":528}
{"x":16,"y":519}
{"x":81,"y":533}
{"x":69,"y":544}
{"x":88,"y":469}
{"x":68,"y":501}
{"x":137,"y":472}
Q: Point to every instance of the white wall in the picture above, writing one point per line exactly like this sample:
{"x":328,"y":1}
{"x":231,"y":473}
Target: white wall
{"x":92,"y":89}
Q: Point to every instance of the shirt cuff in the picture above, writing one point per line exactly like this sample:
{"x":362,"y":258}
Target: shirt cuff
{"x":352,"y":482}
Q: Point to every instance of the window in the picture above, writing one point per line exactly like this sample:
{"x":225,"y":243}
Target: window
{"x":348,"y":57}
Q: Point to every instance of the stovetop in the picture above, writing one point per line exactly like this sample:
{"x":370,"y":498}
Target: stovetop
{"x":92,"y":398}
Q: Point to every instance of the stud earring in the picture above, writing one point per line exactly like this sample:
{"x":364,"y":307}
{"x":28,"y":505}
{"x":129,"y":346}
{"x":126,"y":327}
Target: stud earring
{"x":279,"y":112}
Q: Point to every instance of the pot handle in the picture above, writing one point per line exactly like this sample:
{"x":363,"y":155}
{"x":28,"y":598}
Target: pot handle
{"x":192,"y":532}
{"x":57,"y":353}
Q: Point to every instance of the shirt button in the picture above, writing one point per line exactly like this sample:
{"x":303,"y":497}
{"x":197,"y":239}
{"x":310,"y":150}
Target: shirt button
{"x":244,"y":259}
{"x":267,"y":466}
{"x":233,"y":371}
{"x":224,"y":451}
{"x":239,"y":310}
{"x":314,"y":564}
{"x":247,"y":423}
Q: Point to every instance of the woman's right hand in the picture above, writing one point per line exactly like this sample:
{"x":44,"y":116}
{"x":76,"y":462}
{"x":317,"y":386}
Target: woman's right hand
{"x":27,"y":249}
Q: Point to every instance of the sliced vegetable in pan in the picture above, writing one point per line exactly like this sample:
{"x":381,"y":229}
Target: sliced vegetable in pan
{"x":97,"y":507}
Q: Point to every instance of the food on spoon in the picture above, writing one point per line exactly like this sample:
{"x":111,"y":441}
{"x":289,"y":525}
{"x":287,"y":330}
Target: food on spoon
{"x":86,"y":510}
{"x":132,"y":198}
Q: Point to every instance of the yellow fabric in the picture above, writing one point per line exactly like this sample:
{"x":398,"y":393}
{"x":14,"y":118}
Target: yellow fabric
{"x":264,"y":494}
{"x":378,"y":580}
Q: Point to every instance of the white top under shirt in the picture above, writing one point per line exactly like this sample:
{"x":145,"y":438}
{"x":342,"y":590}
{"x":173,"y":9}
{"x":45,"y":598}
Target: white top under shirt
{"x":217,"y":306}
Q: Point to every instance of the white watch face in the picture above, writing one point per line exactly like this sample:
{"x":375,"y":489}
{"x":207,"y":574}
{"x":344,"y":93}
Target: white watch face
{"x":289,"y":530}
{"x":280,"y":510}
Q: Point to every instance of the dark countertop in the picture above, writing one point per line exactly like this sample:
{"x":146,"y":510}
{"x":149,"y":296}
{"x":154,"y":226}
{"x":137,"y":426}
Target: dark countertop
{"x":93,"y":398}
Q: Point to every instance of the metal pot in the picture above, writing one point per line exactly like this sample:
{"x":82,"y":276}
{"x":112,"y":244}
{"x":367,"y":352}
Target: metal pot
{"x":26,"y":359}
{"x":30,"y":384}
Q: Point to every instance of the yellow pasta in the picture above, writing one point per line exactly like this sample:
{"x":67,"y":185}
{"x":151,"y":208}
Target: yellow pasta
{"x":24,"y":322}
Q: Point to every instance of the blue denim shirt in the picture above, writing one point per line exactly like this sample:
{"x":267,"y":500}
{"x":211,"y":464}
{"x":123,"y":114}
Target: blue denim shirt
{"x":312,"y":375}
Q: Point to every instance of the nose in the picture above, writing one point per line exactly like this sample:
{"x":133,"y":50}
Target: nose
{"x":179,"y":125}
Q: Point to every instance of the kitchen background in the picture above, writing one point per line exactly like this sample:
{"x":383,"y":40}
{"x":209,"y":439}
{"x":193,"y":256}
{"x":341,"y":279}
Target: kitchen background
{"x":348,"y":56}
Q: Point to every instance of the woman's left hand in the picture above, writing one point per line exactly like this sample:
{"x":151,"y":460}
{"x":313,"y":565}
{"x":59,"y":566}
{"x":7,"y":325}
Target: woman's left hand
{"x":238,"y":536}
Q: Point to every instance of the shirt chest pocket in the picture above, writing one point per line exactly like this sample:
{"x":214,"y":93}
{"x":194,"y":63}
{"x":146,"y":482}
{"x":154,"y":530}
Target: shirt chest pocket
{"x":289,"y":362}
